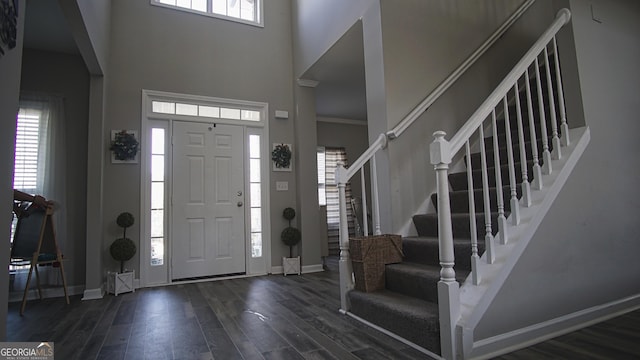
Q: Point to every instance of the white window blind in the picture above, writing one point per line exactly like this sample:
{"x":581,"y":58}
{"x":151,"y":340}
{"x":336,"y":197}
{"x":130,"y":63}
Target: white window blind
{"x":27,"y":156}
{"x":333,"y":156}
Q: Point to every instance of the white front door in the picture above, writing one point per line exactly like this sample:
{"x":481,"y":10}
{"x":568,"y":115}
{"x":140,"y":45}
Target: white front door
{"x":208,"y":230}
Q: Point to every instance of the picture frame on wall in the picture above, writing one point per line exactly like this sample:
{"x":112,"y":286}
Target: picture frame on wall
{"x":282,"y":157}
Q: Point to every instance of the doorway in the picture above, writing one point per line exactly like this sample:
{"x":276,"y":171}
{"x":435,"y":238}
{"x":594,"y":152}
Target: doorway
{"x":208,"y":224}
{"x":205,"y":188}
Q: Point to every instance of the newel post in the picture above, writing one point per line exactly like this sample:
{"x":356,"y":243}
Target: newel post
{"x":346,"y":279}
{"x":448,"y":287}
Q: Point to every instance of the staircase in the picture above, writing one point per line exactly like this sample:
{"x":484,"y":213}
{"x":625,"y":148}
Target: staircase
{"x":410,"y":300}
{"x":510,"y":156}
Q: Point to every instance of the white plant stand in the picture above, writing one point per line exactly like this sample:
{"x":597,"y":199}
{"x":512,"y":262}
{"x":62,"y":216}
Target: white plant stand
{"x":291,"y":265}
{"x":118,"y":283}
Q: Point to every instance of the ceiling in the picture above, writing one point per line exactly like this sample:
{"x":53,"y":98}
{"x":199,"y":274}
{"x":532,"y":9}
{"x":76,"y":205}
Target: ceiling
{"x":340,"y":92}
{"x":340,"y":74}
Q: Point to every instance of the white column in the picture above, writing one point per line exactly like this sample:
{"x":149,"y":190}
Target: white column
{"x":448,"y":287}
{"x":376,"y":201}
{"x":346,"y":270}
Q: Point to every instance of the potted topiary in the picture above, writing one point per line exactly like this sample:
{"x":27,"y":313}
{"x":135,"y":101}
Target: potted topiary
{"x":291,"y":236}
{"x":122,"y":249}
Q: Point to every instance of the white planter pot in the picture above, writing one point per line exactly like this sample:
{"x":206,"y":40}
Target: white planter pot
{"x":291,"y":265}
{"x":118,"y":283}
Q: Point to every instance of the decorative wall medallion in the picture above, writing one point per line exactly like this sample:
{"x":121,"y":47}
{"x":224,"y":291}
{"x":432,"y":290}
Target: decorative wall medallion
{"x":8,"y":24}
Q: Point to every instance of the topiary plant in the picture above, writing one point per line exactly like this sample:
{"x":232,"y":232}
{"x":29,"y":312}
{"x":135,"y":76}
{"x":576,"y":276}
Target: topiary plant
{"x":291,"y":236}
{"x":123,"y":249}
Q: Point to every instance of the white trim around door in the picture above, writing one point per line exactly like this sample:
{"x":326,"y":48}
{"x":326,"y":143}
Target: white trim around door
{"x":159,"y":111}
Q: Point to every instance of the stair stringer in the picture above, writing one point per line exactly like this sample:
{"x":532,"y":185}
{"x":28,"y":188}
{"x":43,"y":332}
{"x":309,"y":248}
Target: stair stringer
{"x":475,"y":299}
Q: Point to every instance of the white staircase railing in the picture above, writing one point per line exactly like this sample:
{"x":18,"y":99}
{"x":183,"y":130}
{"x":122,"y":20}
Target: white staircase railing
{"x":443,"y":151}
{"x":343,"y":175}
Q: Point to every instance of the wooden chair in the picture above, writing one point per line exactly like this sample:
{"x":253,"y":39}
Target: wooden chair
{"x":34,"y":243}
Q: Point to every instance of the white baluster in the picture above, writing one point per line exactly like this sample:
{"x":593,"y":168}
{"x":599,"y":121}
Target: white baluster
{"x":475,"y":277}
{"x":563,"y":113}
{"x":448,"y":287}
{"x":346,"y":270}
{"x":557,"y":153}
{"x":488,"y":238}
{"x":526,"y":187}
{"x":502,"y":220}
{"x":376,"y":201}
{"x":515,"y":209}
{"x":537,"y":170}
{"x":546,"y":155}
{"x":365,"y":210}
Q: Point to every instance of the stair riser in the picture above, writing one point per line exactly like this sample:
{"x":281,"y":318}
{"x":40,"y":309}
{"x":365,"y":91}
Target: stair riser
{"x":423,"y":332}
{"x":427,"y":253}
{"x":410,"y":284}
{"x":427,"y":225}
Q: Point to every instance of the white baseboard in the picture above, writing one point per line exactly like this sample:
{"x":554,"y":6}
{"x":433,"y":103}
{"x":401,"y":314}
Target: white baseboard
{"x":93,"y":294}
{"x":530,"y":335}
{"x":32,"y":294}
{"x":306,"y":269}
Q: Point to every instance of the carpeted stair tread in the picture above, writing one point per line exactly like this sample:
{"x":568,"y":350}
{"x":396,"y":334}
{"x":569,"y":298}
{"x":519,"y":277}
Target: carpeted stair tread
{"x":414,"y":319}
{"x":416,"y":279}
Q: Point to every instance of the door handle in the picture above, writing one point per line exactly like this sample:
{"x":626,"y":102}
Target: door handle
{"x":239,"y":203}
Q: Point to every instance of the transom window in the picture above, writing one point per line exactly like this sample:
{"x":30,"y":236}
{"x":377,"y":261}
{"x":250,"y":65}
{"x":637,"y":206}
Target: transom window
{"x":246,"y":11}
{"x":216,"y":112}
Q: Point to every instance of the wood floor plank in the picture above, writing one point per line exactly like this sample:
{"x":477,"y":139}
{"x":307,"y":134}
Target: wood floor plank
{"x":267,"y":317}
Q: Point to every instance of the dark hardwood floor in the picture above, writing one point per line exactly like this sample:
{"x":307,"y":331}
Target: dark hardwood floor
{"x":269,"y":317}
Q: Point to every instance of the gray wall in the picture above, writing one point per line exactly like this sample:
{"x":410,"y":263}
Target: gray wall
{"x":163,"y":49}
{"x":66,"y":75}
{"x":318,"y":24}
{"x":418,"y":55}
{"x":585,"y":252}
{"x":96,"y":15}
{"x":10,"y":65}
{"x":90,"y":25}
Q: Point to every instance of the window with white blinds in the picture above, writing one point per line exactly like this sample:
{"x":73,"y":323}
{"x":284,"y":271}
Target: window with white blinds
{"x":28,"y":133}
{"x":327,"y":173}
